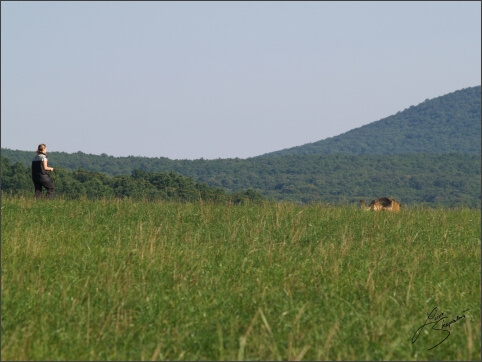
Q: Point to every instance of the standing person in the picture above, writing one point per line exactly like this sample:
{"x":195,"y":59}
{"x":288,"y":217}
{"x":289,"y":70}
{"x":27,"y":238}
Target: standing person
{"x":40,"y":177}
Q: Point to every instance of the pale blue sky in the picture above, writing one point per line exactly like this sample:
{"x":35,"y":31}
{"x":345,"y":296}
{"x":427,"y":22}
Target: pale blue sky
{"x":190,"y":80}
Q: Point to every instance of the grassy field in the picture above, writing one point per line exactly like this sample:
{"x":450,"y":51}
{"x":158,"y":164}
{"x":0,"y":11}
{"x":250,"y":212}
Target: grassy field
{"x":123,"y":280}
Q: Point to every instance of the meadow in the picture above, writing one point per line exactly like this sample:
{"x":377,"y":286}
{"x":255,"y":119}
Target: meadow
{"x":134,"y":280}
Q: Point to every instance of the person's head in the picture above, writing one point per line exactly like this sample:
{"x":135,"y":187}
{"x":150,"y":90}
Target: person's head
{"x":42,"y":148}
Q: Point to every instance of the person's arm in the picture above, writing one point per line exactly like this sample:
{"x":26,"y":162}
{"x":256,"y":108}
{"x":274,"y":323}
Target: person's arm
{"x":47,"y":168}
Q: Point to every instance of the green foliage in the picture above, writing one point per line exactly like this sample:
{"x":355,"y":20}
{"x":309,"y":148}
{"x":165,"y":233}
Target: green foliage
{"x":125,"y":280}
{"x":140,"y":185}
{"x":428,"y":154}
{"x":15,"y":176}
{"x":446,"y":124}
{"x":248,"y":196}
{"x":436,"y":180}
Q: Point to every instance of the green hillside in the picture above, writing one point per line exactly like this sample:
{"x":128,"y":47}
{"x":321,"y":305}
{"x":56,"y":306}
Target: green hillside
{"x":434,"y":180}
{"x":427,"y":154}
{"x":450,"y":123}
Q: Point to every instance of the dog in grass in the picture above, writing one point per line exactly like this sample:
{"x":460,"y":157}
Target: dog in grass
{"x":381,"y":203}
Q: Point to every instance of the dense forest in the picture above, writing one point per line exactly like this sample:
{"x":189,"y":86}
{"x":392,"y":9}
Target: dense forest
{"x":140,"y":185}
{"x":428,"y":154}
{"x":449,"y":180}
{"x":450,"y":123}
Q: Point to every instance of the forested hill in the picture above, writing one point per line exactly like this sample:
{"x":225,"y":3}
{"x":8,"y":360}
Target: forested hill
{"x":428,"y":154}
{"x":450,"y":123}
{"x":448,"y":179}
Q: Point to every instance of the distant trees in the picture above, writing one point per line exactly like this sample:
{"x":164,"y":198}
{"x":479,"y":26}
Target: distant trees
{"x":169,"y":186}
{"x":446,"y":124}
{"x":429,"y":153}
{"x":15,"y":176}
{"x":449,"y":180}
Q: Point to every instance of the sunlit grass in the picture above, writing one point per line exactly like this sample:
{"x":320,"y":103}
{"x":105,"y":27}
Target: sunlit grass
{"x":136,"y":280}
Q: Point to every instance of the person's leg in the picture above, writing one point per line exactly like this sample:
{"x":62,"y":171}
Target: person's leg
{"x":49,"y":185}
{"x":38,"y":189}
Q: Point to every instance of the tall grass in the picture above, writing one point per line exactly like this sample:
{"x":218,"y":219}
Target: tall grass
{"x":123,"y":280}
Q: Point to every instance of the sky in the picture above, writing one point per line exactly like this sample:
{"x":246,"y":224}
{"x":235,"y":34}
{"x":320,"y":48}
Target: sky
{"x":191,"y":80}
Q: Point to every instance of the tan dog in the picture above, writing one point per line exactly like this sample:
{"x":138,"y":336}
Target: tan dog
{"x":382,"y":203}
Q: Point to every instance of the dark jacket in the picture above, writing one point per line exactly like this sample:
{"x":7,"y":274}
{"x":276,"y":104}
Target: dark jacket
{"x":38,"y":172}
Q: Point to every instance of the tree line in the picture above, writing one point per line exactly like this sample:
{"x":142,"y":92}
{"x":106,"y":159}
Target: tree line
{"x":140,"y":185}
{"x":434,"y":180}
